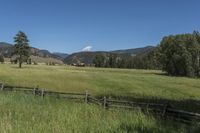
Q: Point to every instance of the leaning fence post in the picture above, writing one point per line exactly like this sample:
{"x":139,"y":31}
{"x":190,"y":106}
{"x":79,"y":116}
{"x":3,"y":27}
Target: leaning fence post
{"x":104,"y":102}
{"x":86,"y":96}
{"x":2,"y":87}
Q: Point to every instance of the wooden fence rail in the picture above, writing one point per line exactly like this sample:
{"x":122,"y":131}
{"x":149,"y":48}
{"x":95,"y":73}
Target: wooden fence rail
{"x":162,"y":110}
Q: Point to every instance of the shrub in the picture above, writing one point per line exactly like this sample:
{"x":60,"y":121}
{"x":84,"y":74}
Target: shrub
{"x":1,"y":59}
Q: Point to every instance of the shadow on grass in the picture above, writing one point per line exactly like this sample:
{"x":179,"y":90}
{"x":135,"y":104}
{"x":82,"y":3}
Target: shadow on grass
{"x":168,"y":75}
{"x":190,"y":105}
{"x":131,"y":129}
{"x":165,"y":127}
{"x":17,"y":67}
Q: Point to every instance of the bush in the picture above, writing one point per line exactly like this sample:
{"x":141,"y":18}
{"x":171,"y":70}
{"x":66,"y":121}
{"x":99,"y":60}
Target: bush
{"x":51,"y":63}
{"x":35,"y":63}
{"x":1,"y":59}
{"x":29,"y":61}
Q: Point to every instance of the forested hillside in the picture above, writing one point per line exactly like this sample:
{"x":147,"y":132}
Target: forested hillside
{"x":88,"y":57}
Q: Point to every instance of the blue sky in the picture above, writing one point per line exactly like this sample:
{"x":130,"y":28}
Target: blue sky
{"x":71,"y":25}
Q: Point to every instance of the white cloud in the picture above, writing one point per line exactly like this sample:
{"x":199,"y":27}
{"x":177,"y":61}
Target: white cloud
{"x":87,"y":48}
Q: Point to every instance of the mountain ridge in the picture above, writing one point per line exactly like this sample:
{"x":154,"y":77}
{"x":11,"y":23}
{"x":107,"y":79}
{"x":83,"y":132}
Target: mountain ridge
{"x":82,"y":56}
{"x":88,"y":56}
{"x":6,"y":49}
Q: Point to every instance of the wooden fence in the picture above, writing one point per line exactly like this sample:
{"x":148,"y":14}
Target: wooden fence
{"x":160,"y":110}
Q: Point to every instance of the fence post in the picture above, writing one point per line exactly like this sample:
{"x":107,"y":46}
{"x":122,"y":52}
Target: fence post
{"x":42,"y":93}
{"x":164,"y":110}
{"x":34,"y":91}
{"x":2,"y":87}
{"x":147,"y":108}
{"x":104,"y":102}
{"x":86,"y":96}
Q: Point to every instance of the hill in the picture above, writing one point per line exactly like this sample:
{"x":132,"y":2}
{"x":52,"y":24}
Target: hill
{"x":63,"y":55}
{"x":135,"y":51}
{"x":6,"y":50}
{"x":87,"y":57}
{"x":4,"y":44}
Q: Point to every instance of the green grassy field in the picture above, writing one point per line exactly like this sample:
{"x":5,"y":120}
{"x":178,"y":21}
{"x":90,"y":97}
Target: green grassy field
{"x":20,"y":113}
{"x":26,"y":113}
{"x":110,"y":82}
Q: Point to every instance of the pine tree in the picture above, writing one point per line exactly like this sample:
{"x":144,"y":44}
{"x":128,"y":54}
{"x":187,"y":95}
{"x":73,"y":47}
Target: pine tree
{"x":21,"y":47}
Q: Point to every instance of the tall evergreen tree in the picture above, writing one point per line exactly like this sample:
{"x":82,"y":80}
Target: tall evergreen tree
{"x":99,"y":60}
{"x":21,"y":47}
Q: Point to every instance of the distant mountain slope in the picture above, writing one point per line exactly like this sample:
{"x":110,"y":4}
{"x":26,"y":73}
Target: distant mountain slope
{"x":63,"y":55}
{"x":4,"y":44}
{"x":45,"y":60}
{"x":87,"y":57}
{"x":6,"y":49}
{"x":135,"y":51}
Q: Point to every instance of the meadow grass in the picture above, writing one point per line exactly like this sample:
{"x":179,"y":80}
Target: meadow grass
{"x":26,"y":113}
{"x":102,"y":81}
{"x":22,"y":113}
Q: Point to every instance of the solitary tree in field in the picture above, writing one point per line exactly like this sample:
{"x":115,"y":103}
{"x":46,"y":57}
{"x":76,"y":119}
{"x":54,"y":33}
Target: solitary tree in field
{"x":21,"y":47}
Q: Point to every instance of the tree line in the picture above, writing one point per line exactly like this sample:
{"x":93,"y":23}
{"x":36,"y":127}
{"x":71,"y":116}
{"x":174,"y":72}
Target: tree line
{"x":112,"y":60}
{"x":178,"y":55}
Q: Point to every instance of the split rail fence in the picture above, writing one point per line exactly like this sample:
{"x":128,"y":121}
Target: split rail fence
{"x":159,"y":110}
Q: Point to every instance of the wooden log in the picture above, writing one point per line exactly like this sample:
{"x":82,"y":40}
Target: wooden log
{"x":94,"y":100}
{"x":18,"y":87}
{"x":135,"y":103}
{"x":20,"y":90}
{"x":125,"y":107}
{"x":183,"y":112}
{"x":65,"y":93}
{"x":71,"y":97}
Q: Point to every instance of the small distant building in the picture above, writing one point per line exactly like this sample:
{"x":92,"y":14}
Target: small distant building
{"x":78,"y":64}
